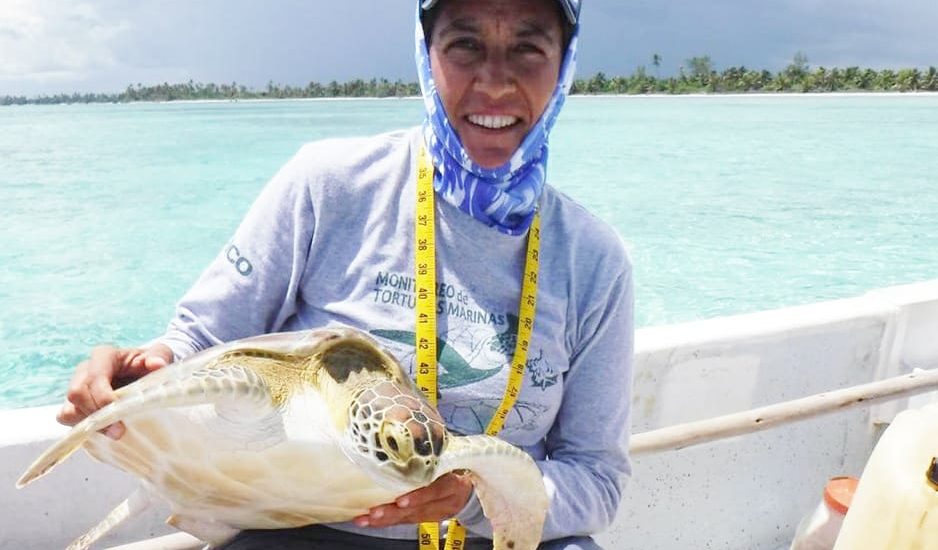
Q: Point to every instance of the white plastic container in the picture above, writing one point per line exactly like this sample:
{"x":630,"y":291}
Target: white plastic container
{"x":896,"y":504}
{"x":819,"y":530}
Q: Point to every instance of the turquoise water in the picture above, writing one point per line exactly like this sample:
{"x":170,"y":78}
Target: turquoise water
{"x":729,"y":204}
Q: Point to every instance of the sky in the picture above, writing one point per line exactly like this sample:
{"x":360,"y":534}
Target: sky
{"x":54,"y":46}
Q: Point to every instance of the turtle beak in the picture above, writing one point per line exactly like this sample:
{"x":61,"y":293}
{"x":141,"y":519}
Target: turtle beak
{"x":413,"y":445}
{"x":429,"y":437}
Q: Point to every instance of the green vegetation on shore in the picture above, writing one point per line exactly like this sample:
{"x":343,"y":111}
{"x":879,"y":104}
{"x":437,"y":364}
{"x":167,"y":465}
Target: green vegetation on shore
{"x":697,"y":75}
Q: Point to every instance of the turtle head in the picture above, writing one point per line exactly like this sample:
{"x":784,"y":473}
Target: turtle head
{"x":388,"y":428}
{"x":395,"y":434}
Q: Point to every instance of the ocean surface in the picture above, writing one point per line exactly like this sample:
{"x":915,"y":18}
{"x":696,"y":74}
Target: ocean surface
{"x":729,"y":204}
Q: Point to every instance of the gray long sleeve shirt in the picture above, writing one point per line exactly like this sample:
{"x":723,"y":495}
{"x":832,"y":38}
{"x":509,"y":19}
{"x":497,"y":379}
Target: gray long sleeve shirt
{"x":330,"y":241}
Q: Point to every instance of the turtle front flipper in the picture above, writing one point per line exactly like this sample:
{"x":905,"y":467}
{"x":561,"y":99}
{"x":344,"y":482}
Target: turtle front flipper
{"x":212,"y":384}
{"x":509,"y":486}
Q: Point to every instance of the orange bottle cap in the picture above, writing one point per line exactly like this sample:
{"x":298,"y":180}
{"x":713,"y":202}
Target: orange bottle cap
{"x":839,"y":492}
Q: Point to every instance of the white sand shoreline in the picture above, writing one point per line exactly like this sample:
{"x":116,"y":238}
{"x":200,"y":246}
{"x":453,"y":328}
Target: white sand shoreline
{"x":573,"y":97}
{"x":770,"y":94}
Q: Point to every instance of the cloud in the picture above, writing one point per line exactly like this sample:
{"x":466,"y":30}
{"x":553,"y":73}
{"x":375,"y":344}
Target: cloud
{"x":51,"y":46}
{"x":49,"y":40}
{"x":618,"y":36}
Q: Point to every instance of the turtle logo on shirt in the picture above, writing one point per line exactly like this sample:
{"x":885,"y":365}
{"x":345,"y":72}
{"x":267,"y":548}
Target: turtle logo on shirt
{"x":455,"y":370}
{"x":472,"y":416}
{"x":542,"y":375}
{"x":504,"y":342}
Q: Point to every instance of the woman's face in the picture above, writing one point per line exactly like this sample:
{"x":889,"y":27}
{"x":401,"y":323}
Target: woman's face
{"x":495,"y":64}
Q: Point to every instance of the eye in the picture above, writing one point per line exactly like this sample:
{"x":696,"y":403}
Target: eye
{"x":465,"y":43}
{"x":464,"y":49}
{"x":528,"y":47}
{"x":529,"y":51}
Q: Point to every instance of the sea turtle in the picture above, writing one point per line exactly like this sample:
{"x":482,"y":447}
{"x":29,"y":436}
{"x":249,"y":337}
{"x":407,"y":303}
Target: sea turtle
{"x":290,"y":429}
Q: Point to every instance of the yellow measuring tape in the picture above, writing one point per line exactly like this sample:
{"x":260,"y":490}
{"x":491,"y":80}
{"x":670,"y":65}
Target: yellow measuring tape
{"x":426,"y":348}
{"x":428,"y":533}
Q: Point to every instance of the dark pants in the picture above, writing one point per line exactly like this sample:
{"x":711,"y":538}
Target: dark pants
{"x":318,"y":537}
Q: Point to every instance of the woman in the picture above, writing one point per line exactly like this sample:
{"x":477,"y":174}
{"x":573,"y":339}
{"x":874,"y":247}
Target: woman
{"x":330,"y":241}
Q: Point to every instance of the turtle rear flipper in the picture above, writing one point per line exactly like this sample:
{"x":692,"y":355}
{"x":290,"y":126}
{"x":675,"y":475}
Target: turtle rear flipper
{"x":137,"y":502}
{"x":212,"y":533}
{"x":509,"y":486}
{"x":208,"y":385}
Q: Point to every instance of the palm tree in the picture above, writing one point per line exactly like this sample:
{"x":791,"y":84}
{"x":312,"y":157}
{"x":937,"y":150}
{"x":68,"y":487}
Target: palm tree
{"x":886,"y":79}
{"x":868,"y":79}
{"x":798,"y":68}
{"x":930,"y":80}
{"x":597,"y":84}
{"x":852,"y":78}
{"x":700,"y":69}
{"x":908,"y":80}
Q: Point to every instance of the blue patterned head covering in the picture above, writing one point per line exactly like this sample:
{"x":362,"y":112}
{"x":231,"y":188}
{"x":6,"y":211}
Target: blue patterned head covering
{"x":504,"y":197}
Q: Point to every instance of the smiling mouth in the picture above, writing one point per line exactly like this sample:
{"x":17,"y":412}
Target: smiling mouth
{"x":493,"y":122}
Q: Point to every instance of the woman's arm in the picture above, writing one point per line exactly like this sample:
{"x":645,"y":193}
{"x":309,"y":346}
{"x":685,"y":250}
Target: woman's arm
{"x":251,"y":286}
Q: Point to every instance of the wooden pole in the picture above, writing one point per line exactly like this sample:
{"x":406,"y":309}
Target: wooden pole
{"x":702,"y":431}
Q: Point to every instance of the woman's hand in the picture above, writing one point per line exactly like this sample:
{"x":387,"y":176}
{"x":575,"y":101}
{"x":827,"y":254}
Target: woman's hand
{"x":440,"y":500}
{"x":93,"y":383}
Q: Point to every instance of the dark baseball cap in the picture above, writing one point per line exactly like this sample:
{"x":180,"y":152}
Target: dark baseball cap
{"x":570,"y":7}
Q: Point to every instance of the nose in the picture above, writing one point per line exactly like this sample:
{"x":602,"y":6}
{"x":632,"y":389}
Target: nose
{"x":495,"y":78}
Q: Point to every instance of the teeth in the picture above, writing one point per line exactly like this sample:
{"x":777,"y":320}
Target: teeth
{"x":493,"y":122}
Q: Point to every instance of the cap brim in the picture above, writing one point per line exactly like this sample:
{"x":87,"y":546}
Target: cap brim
{"x":571,"y":8}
